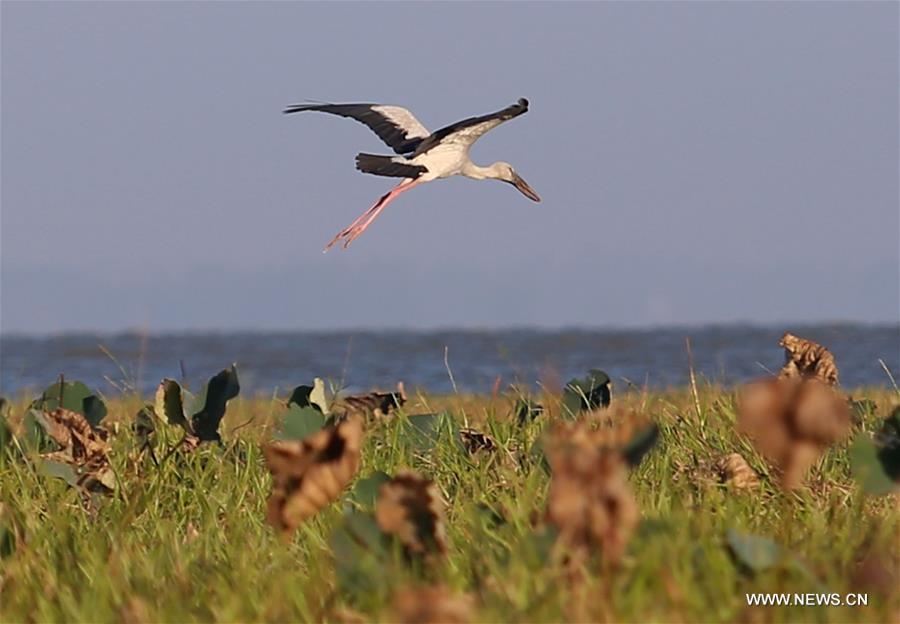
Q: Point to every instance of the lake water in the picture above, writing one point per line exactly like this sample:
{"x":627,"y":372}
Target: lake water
{"x":367,"y":359}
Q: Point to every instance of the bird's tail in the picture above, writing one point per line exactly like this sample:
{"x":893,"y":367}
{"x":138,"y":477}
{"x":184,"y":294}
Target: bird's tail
{"x":390,"y":166}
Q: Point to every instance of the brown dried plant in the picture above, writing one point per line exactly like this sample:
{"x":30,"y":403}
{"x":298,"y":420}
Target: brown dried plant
{"x":410,"y":508}
{"x":792,"y":422}
{"x":735,"y":471}
{"x":590,"y":501}
{"x":804,"y":358}
{"x":475,"y":440}
{"x":377,"y":404}
{"x":311,"y":473}
{"x":80,"y":443}
{"x":82,"y":447}
{"x":431,"y":605}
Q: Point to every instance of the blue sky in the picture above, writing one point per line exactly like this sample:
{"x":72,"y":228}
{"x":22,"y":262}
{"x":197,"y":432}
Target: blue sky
{"x":698,"y":162}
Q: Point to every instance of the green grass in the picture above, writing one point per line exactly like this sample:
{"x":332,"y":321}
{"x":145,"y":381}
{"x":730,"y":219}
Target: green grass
{"x":187,"y":541}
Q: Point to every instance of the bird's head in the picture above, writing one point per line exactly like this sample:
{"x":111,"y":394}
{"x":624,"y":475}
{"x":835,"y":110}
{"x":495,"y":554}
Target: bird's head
{"x":504,"y":171}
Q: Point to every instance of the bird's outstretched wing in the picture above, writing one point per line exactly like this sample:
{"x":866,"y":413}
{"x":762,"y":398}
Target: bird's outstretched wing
{"x":394,"y":125}
{"x":469,"y":130}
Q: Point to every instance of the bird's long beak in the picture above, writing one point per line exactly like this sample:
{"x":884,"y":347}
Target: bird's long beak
{"x":526,"y":190}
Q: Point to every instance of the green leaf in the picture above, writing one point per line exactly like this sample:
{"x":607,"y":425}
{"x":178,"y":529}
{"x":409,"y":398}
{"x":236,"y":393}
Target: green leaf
{"x":640,"y":444}
{"x":214,"y":397}
{"x":365,"y":493}
{"x":527,"y":410}
{"x":365,"y":531}
{"x":94,"y":410}
{"x":101,"y":481}
{"x":300,"y":422}
{"x":6,"y":434}
{"x":58,"y":470}
{"x":8,"y":530}
{"x":586,"y":394}
{"x":76,"y":397}
{"x":300,"y":397}
{"x":876,"y":462}
{"x":426,"y":430}
{"x":755,"y":553}
{"x":868,"y":469}
{"x":310,"y":396}
{"x":144,"y":425}
{"x":888,"y":441}
{"x":169,"y":404}
{"x":37,"y":436}
{"x":359,"y":554}
{"x":7,"y":539}
{"x":426,"y":426}
{"x":891,"y":426}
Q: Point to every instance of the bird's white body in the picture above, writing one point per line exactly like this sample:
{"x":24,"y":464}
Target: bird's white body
{"x":443,"y":161}
{"x":423,"y":156}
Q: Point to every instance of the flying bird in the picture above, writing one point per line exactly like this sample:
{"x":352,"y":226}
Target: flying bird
{"x":422,"y":156}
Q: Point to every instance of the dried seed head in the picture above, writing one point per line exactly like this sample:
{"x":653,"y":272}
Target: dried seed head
{"x":311,"y":473}
{"x":79,"y":441}
{"x":377,"y":404}
{"x":735,"y":470}
{"x":346,"y":615}
{"x":878,"y":572}
{"x":134,"y":611}
{"x":806,"y":359}
{"x":431,"y":605}
{"x":590,"y":501}
{"x":475,"y":441}
{"x":82,"y":447}
{"x":189,"y":443}
{"x":792,"y":421}
{"x":410,"y":508}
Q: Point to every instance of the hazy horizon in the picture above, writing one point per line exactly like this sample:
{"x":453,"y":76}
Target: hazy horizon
{"x":459,"y":329}
{"x":699,"y":164}
{"x":366,"y":359}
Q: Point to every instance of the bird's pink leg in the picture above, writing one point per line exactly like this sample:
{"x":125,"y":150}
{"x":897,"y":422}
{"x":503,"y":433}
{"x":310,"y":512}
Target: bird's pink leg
{"x":353,"y":231}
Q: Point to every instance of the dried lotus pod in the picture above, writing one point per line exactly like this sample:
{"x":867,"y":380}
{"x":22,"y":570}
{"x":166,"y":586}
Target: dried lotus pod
{"x":431,"y":605}
{"x":189,"y":443}
{"x":475,"y":440}
{"x":590,"y":500}
{"x":378,"y":404}
{"x":791,"y":422}
{"x":879,"y":572}
{"x":410,"y":508}
{"x":310,"y":473}
{"x":735,"y":470}
{"x":804,"y":358}
{"x":80,"y":443}
{"x":82,"y":447}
